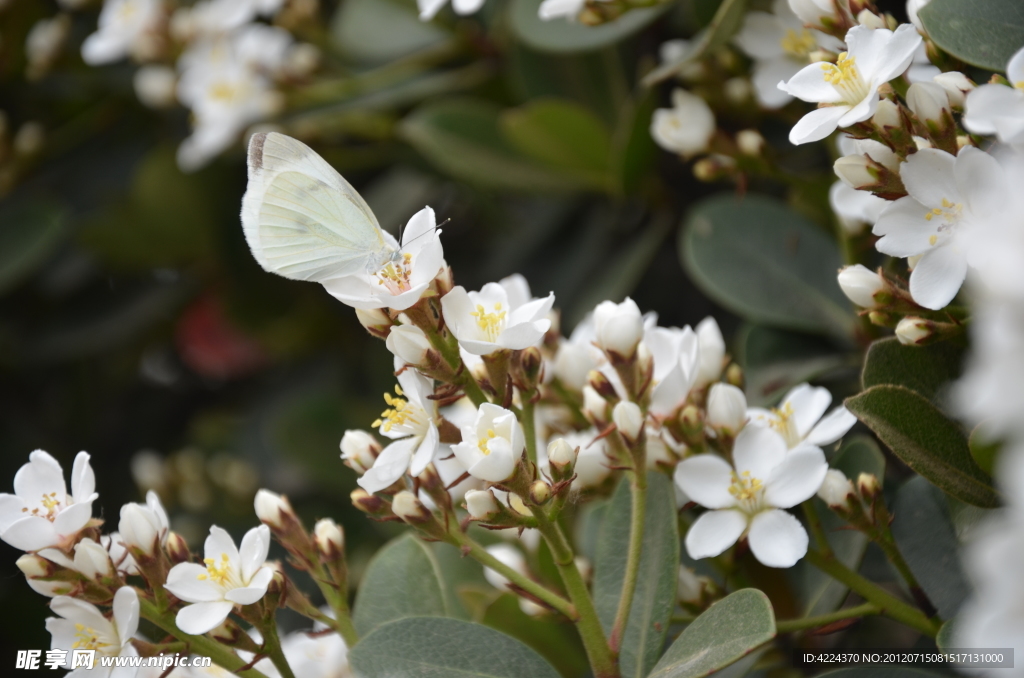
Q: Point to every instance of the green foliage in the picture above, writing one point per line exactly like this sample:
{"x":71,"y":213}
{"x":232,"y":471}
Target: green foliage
{"x":566,"y":36}
{"x":774,"y":361}
{"x":725,"y":23}
{"x":924,"y":369}
{"x":431,"y":647}
{"x":927,"y":540}
{"x":765,"y":263}
{"x":556,"y":641}
{"x":926,"y":440}
{"x":30,"y":231}
{"x":655,"y":594}
{"x":377,"y":31}
{"x":403,"y":580}
{"x":983,"y":33}
{"x":727,"y":631}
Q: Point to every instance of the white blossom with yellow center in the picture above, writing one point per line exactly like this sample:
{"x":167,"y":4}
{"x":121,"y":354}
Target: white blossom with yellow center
{"x":41,"y":512}
{"x":81,"y":626}
{"x":501,"y":316}
{"x":409,"y":420}
{"x":748,"y":500}
{"x":492,"y":444}
{"x":687,"y":127}
{"x":950,"y":199}
{"x":780,"y":46}
{"x":800,"y":417}
{"x":229,"y":576}
{"x":999,"y":109}
{"x":123,"y":25}
{"x":847,"y":90}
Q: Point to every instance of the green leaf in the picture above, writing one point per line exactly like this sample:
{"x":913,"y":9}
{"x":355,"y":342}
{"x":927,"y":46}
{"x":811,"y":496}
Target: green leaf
{"x":926,"y":440}
{"x":946,"y":636}
{"x":655,"y":594}
{"x":634,"y":152}
{"x":556,"y":641}
{"x":821,"y":593}
{"x":726,"y":632}
{"x":726,"y":22}
{"x":561,"y":35}
{"x":924,"y":369}
{"x":766,"y":263}
{"x":29,"y":233}
{"x":985,"y":447}
{"x":774,"y":361}
{"x":376,"y":31}
{"x":432,"y":647}
{"x":402,"y":580}
{"x":458,"y":574}
{"x":461,"y":136}
{"x":983,"y":33}
{"x":926,"y":538}
{"x":562,"y":135}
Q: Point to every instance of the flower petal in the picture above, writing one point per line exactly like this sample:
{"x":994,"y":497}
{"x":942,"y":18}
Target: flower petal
{"x":81,"y":612}
{"x":83,"y":479}
{"x":425,"y":452}
{"x":493,"y":467}
{"x":817,"y":125}
{"x":219,"y":543}
{"x":256,"y":589}
{"x":199,"y":618}
{"x":31,"y":534}
{"x":254,"y":550}
{"x":524,"y":335}
{"x":809,"y":84}
{"x":904,"y":229}
{"x":808,"y":404}
{"x":714,"y":532}
{"x":73,"y":518}
{"x":986,"y":104}
{"x":706,"y":479}
{"x":184,"y":581}
{"x":981,"y":180}
{"x":761,"y":36}
{"x":10,"y":510}
{"x":896,"y":54}
{"x":832,"y":427}
{"x":41,"y":476}
{"x":797,"y":478}
{"x":392,"y":462}
{"x":457,"y":307}
{"x":126,"y":613}
{"x":420,"y":224}
{"x":930,"y":177}
{"x":777,"y":539}
{"x":767,"y":76}
{"x":938,"y":276}
{"x":758,"y":449}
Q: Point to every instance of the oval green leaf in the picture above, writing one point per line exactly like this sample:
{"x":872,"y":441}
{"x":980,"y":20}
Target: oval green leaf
{"x":926,"y":440}
{"x":766,"y":263}
{"x":924,"y":369}
{"x":726,"y":632}
{"x":402,"y":580}
{"x":774,"y":361}
{"x":561,"y":35}
{"x":983,"y":33}
{"x":376,"y":31}
{"x":556,"y":641}
{"x":432,"y":647}
{"x":29,"y":233}
{"x":655,"y":594}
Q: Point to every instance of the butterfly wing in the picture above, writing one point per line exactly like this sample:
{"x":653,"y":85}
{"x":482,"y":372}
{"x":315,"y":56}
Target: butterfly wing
{"x":302,"y":220}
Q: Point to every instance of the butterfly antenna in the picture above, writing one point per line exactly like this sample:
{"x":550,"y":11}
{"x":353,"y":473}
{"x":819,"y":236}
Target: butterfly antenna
{"x":436,"y":226}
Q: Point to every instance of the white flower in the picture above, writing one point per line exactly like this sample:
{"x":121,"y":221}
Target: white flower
{"x":481,"y":503}
{"x":410,"y":422}
{"x":676,"y":355}
{"x":119,"y":555}
{"x":82,"y":626}
{"x":271,"y":508}
{"x":727,"y":408}
{"x":835,"y":488}
{"x":711,"y":352}
{"x":855,"y":208}
{"x":155,"y":86}
{"x":590,"y":465}
{"x":492,"y":444}
{"x":913,"y":7}
{"x":554,"y":9}
{"x":998,"y":109}
{"x":328,"y":536}
{"x":508,"y":555}
{"x":144,"y":527}
{"x":91,"y":559}
{"x":813,"y":11}
{"x":44,"y":44}
{"x":404,"y":279}
{"x":949,"y":198}
{"x":359,"y":450}
{"x":687,"y":127}
{"x":799,"y":419}
{"x":41,"y":513}
{"x":928,"y":101}
{"x":429,"y":8}
{"x":912,"y":331}
{"x":780,"y":46}
{"x":124,"y":25}
{"x":316,"y":655}
{"x":748,"y":501}
{"x":849,"y":88}
{"x":409,"y":344}
{"x":496,"y":317}
{"x":213,"y":17}
{"x":957,"y":86}
{"x":618,"y":327}
{"x":231,"y":576}
{"x":577,"y":356}
{"x":852,"y":167}
{"x":860,"y":285}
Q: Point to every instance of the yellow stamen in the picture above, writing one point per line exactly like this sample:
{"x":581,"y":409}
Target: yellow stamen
{"x":844,"y":76}
{"x":491,"y":323}
{"x":482,"y":443}
{"x":88,"y":639}
{"x":798,"y":44}
{"x":950,"y":212}
{"x":746,"y":489}
{"x":218,"y":572}
{"x":395,"y":274}
{"x":399,"y":413}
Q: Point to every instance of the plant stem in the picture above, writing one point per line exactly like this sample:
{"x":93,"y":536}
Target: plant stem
{"x":207,"y":647}
{"x":602,"y":660}
{"x":474,"y":550}
{"x":638,"y":481}
{"x":334,"y":594}
{"x":791,"y":625}
{"x":814,"y":522}
{"x":528,"y":420}
{"x":272,"y":644}
{"x":888,"y":605}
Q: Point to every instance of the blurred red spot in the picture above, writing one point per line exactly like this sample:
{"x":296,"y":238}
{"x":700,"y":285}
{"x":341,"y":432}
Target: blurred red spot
{"x":212,"y":346}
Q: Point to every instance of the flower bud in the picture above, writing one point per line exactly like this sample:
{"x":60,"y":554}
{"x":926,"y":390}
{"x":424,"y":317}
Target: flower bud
{"x":329,"y":539}
{"x":618,"y":328}
{"x":92,"y":560}
{"x":561,"y":453}
{"x":887,"y":115}
{"x":912,"y":331}
{"x":712,"y":351}
{"x":727,"y":408}
{"x":868,"y":486}
{"x":481,"y":504}
{"x":601,"y":384}
{"x":409,"y":344}
{"x":595,"y":408}
{"x":734,"y":375}
{"x":856,"y":171}
{"x":359,"y":450}
{"x":369,"y":503}
{"x":155,"y":86}
{"x":177,"y":548}
{"x":713,"y":167}
{"x":690,"y":420}
{"x":868,"y":18}
{"x":835,"y":488}
{"x":750,"y":142}
{"x":34,"y":567}
{"x":860,"y":285}
{"x":540,"y":492}
{"x":690,"y":588}
{"x":140,"y":529}
{"x":957,"y":85}
{"x":737,"y":90}
{"x":585,"y":568}
{"x":272,"y":509}
{"x":573,"y":362}
{"x":658,"y":452}
{"x":409,"y":508}
{"x":928,"y":101}
{"x":375,"y":321}
{"x":629,"y":419}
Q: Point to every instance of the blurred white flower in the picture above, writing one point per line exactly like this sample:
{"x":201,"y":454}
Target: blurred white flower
{"x":711,"y":352}
{"x":687,"y":127}
{"x":144,"y":527}
{"x":848,"y":89}
{"x":44,"y":44}
{"x":913,"y":7}
{"x":749,"y":500}
{"x":801,"y":417}
{"x":591,"y":465}
{"x":429,"y":8}
{"x":41,"y":512}
{"x":124,"y":27}
{"x":492,"y":444}
{"x":316,"y":655}
{"x":497,"y":317}
{"x":860,"y":284}
{"x":998,"y":109}
{"x":676,"y":355}
{"x":813,"y":12}
{"x":229,"y":576}
{"x":856,"y":209}
{"x":82,"y":626}
{"x":156,"y":86}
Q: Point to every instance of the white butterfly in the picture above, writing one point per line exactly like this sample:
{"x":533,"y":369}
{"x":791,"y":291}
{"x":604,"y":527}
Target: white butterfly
{"x":302,"y":220}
